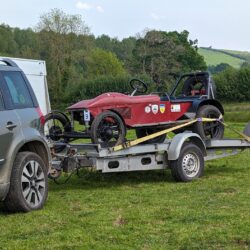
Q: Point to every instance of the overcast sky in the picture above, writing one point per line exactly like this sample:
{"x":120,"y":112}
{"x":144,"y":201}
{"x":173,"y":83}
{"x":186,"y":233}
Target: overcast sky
{"x":219,"y":23}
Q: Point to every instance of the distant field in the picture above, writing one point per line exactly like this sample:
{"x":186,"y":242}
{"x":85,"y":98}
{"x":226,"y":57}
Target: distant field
{"x":237,"y":112}
{"x":245,"y":55}
{"x":215,"y":57}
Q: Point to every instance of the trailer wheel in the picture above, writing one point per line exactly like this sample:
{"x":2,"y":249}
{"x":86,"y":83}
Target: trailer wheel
{"x":108,"y":129}
{"x":189,"y":165}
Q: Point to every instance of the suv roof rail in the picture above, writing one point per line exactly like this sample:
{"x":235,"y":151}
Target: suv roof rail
{"x":8,"y":62}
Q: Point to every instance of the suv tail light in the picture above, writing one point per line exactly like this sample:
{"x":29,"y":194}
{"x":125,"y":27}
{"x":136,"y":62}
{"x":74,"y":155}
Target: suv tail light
{"x":41,"y":116}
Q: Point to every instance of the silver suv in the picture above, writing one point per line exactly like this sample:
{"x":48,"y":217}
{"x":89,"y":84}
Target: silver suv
{"x":24,"y":154}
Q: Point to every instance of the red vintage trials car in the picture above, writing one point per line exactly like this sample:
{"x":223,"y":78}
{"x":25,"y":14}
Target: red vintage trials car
{"x":108,"y":116}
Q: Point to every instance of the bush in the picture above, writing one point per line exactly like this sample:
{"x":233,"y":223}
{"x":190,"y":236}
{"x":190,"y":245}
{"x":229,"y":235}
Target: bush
{"x":91,"y":88}
{"x":233,"y":85}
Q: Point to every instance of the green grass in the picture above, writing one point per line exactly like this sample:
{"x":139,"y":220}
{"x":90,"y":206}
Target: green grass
{"x":237,"y":112}
{"x":141,"y":210}
{"x":245,"y":55}
{"x":215,"y":57}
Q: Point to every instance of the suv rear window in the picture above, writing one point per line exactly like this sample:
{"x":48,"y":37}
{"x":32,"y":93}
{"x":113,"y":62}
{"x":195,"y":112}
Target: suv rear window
{"x":18,"y":89}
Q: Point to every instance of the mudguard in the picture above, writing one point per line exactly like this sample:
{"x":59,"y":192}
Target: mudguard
{"x":201,"y":102}
{"x":177,"y":142}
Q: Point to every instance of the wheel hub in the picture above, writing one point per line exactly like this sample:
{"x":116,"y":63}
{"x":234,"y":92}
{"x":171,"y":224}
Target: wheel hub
{"x":54,"y":133}
{"x":33,"y":183}
{"x":109,"y":132}
{"x":106,"y":133}
{"x":190,"y":164}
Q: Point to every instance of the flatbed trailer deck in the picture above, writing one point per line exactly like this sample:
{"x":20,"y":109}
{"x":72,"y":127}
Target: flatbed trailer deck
{"x":184,"y":155}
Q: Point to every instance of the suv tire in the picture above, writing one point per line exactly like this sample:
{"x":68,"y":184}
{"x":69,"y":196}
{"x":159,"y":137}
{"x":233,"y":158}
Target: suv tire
{"x":28,"y":184}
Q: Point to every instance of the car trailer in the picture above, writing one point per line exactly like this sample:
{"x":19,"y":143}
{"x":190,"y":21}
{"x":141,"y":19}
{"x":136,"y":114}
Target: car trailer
{"x":184,"y":155}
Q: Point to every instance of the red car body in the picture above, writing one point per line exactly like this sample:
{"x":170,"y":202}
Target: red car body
{"x":107,"y":116}
{"x":136,"y":111}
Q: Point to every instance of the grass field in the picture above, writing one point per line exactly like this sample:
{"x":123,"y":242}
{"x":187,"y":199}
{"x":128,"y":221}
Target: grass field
{"x":213,"y":57}
{"x":245,"y":55}
{"x":142,"y":210}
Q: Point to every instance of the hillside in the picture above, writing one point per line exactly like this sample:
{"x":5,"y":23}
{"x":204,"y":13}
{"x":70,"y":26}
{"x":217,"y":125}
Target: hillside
{"x":245,"y":55}
{"x":215,"y":57}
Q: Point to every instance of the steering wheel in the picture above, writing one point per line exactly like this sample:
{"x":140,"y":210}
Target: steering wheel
{"x":138,"y":86}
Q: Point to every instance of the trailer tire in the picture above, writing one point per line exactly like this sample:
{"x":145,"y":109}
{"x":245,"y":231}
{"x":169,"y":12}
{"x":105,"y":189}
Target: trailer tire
{"x":189,"y":165}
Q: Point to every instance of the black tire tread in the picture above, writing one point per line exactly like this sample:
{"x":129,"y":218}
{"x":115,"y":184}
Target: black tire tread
{"x":67,"y":128}
{"x":14,"y":201}
{"x":198,"y":126}
{"x":98,"y":119}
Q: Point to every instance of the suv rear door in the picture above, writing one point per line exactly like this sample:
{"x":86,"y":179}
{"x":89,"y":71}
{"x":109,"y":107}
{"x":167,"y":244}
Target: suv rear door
{"x":21,"y":98}
{"x":9,"y":125}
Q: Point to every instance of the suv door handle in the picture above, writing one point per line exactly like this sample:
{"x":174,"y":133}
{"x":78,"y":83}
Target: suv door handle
{"x":10,"y":125}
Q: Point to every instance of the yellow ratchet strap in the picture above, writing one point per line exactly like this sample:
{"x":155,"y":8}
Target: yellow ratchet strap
{"x":186,"y":123}
{"x":129,"y":144}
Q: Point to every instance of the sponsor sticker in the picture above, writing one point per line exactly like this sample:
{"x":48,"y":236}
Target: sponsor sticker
{"x":155,"y":108}
{"x":175,"y":108}
{"x":162,"y":108}
{"x":147,"y":109}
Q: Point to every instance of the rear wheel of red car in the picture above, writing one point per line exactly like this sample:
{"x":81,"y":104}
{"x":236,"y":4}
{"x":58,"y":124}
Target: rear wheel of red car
{"x":108,"y":129}
{"x":209,"y":130}
{"x":142,"y":132}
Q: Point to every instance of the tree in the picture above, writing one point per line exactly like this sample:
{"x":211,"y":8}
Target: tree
{"x":159,"y":53}
{"x":61,"y":23}
{"x":8,"y":44}
{"x":123,"y":49}
{"x":103,"y":63}
{"x":27,"y":43}
{"x":59,"y":36}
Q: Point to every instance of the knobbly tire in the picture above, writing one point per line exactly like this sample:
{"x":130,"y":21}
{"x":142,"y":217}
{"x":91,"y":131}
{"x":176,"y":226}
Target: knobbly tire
{"x":189,"y":165}
{"x":55,"y":125}
{"x":142,"y":132}
{"x":209,"y":130}
{"x":108,"y":129}
{"x":28,"y":184}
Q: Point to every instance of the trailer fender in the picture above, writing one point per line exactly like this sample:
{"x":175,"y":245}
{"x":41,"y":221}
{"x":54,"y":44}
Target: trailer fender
{"x":177,"y":142}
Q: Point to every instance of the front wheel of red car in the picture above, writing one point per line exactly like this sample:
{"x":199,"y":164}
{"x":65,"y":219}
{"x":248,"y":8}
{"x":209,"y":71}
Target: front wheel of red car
{"x":209,"y":130}
{"x":108,"y":129}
